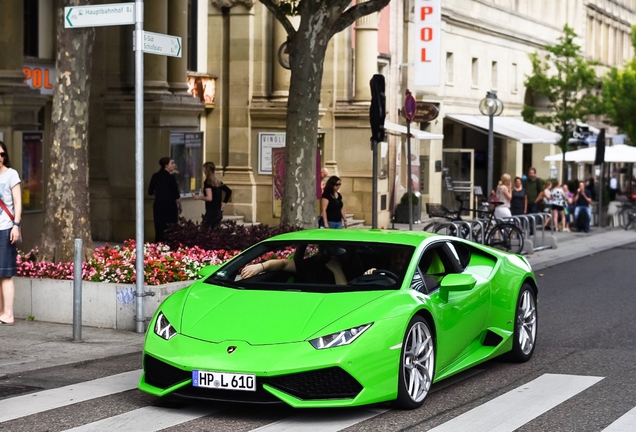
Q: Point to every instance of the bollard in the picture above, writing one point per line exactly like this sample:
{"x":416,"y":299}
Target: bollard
{"x":77,"y":292}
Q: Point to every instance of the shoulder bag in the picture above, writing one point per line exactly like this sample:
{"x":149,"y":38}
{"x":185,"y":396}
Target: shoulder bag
{"x":6,"y":209}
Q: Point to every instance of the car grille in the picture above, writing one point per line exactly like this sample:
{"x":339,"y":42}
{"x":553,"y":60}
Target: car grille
{"x":329,"y":383}
{"x":162,"y":375}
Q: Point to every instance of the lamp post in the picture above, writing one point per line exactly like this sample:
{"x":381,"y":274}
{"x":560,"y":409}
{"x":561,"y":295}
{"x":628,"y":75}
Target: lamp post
{"x":491,"y":106}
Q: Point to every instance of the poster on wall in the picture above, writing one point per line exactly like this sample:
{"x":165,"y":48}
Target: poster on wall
{"x":32,"y":171}
{"x":266,"y":142}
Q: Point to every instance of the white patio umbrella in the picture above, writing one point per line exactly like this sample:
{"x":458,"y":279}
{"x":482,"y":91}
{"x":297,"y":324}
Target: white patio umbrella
{"x":615,"y":153}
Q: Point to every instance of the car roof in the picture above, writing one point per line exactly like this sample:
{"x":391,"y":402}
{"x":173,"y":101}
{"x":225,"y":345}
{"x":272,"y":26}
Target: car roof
{"x":411,"y":238}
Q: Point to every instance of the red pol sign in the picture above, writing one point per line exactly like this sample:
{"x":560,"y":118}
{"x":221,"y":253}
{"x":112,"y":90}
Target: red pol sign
{"x":428,"y":22}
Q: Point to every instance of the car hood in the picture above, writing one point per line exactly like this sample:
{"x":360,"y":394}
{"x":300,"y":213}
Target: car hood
{"x":218,"y":314}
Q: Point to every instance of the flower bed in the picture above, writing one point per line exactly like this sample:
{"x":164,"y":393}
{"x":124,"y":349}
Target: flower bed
{"x":116,"y":264}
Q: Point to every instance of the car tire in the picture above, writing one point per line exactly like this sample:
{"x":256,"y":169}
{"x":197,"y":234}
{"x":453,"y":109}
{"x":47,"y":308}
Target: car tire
{"x":417,"y":364}
{"x":525,"y":334}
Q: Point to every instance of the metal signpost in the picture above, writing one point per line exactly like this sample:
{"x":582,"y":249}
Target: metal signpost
{"x":410,"y":108}
{"x":152,"y":43}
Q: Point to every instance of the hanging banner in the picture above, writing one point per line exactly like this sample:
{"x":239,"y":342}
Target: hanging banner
{"x":427,"y":42}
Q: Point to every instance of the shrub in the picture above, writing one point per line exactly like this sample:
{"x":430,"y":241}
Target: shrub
{"x":405,"y":199}
{"x":228,"y":235}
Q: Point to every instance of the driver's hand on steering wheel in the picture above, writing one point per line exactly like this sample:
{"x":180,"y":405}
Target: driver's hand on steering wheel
{"x":370,"y":271}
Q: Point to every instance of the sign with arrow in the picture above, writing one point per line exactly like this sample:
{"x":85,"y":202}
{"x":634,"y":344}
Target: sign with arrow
{"x":99,"y":15}
{"x":161,"y":44}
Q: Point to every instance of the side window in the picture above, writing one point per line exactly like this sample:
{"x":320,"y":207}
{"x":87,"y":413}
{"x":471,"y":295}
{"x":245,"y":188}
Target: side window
{"x":436,"y":262}
{"x":460,"y":252}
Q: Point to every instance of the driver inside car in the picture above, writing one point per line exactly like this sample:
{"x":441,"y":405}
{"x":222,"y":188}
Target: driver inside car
{"x":400,"y":259}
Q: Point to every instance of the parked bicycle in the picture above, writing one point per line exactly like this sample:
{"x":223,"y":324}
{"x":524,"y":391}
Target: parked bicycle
{"x":626,"y":215}
{"x":487,"y":229}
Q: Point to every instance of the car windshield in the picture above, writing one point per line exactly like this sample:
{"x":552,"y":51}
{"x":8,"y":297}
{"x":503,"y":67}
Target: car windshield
{"x":317,"y":267}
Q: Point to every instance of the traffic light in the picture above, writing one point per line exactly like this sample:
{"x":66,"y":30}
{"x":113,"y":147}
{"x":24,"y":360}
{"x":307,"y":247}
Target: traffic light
{"x":377,"y":112}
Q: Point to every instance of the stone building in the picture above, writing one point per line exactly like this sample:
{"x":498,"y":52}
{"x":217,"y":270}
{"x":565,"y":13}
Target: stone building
{"x":225,"y":100}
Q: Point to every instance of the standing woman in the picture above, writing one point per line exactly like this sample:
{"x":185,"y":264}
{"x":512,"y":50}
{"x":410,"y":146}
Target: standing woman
{"x":10,"y":217}
{"x":332,"y":208}
{"x":504,"y":194}
{"x":213,"y":189}
{"x":519,"y":200}
{"x":167,"y":206}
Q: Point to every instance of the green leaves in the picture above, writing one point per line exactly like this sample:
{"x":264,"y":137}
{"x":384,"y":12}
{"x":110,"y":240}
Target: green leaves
{"x":562,"y":87}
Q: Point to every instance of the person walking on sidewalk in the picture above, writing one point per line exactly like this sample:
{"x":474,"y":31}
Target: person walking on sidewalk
{"x":519,"y":200}
{"x":533,"y":186}
{"x":167,"y":205}
{"x":10,"y":217}
{"x":213,"y":189}
{"x":332,"y":208}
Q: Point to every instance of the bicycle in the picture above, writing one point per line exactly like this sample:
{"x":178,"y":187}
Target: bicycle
{"x":630,"y":217}
{"x":626,"y":214}
{"x":496,"y":233}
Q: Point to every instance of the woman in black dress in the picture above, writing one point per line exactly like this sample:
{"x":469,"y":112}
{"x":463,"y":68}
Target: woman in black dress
{"x":167,"y":206}
{"x":519,"y":200}
{"x":332,"y":209}
{"x":213,"y":189}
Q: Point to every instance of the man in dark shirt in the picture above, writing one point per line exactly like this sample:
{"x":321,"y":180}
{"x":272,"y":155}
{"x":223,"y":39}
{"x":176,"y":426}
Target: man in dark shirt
{"x":534,"y":187}
{"x":167,"y":205}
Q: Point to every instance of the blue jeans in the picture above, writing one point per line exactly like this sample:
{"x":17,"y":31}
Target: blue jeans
{"x":335,"y":225}
{"x":588,"y":209}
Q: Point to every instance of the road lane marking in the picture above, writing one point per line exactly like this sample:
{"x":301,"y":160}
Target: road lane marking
{"x":519,"y":406}
{"x":625,"y":423}
{"x":148,"y":419}
{"x":319,"y":422}
{"x":45,"y":400}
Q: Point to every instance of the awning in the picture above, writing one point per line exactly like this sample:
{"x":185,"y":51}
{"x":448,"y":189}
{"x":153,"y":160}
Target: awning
{"x":615,"y":153}
{"x":509,"y":127}
{"x":417,"y":133}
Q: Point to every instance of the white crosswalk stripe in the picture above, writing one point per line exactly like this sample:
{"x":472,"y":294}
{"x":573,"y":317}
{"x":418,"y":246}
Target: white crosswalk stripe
{"x":526,"y":402}
{"x":505,"y":413}
{"x":138,"y":420}
{"x":626,"y":423}
{"x":34,"y":403}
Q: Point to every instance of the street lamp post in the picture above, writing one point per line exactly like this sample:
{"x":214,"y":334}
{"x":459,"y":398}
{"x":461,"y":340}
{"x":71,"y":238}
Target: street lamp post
{"x":491,"y":106}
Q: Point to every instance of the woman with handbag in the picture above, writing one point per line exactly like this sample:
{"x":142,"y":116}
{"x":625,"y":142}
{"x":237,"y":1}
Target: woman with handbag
{"x":10,"y":217}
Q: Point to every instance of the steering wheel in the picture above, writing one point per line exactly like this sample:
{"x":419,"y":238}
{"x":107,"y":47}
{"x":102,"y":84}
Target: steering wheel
{"x":387,"y":273}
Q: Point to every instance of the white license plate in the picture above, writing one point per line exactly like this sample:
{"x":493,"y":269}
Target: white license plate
{"x":223,"y":380}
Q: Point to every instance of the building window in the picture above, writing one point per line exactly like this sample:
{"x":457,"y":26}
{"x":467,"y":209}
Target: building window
{"x":32,"y":167}
{"x":192,"y":35}
{"x":475,"y":72}
{"x":514,"y":85}
{"x":186,"y":148}
{"x":450,"y":72}
{"x":493,"y":75}
{"x":31,"y":27}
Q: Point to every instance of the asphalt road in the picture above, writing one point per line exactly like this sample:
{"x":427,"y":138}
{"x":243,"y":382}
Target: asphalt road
{"x":581,"y":378}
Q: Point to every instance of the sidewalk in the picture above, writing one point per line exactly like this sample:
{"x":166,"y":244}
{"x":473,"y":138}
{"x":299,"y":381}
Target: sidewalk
{"x":31,"y":345}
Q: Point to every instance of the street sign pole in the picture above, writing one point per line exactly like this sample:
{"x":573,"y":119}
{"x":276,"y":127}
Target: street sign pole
{"x":410,"y":108}
{"x":140,"y":317}
{"x":152,"y":43}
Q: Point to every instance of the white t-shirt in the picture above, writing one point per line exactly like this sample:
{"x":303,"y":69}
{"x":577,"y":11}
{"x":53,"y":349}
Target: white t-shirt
{"x":8,"y":180}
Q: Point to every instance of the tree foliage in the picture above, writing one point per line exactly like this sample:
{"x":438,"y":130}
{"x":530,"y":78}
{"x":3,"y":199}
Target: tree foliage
{"x":567,"y":81}
{"x":67,"y":212}
{"x":320,"y":20}
{"x":619,"y":96}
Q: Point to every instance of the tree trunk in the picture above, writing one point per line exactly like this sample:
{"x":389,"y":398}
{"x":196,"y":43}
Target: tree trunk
{"x":67,"y":211}
{"x":307,"y":61}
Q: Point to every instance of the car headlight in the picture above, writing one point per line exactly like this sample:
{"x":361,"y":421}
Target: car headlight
{"x":163,"y":328}
{"x":344,"y":337}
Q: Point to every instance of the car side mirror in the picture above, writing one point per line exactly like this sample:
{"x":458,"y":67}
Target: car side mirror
{"x":208,"y":270}
{"x":456,"y":282}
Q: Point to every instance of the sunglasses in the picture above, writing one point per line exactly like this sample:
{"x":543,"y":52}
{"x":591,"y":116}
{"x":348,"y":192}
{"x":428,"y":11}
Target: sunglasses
{"x":3,"y":155}
{"x":338,"y":184}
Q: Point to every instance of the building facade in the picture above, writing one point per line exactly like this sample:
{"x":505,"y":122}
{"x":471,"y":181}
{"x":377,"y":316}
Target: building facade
{"x":225,"y":100}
